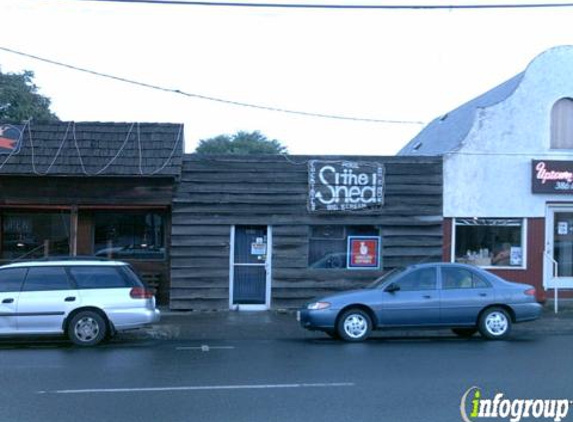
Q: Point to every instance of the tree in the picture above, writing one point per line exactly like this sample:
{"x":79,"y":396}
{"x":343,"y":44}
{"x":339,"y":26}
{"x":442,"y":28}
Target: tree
{"x":241,"y":143}
{"x":20,"y":101}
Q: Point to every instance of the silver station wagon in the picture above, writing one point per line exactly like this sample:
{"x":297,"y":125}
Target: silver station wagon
{"x":87,"y":300}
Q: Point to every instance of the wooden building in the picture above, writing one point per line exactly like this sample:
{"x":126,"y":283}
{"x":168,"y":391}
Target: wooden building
{"x":257,"y":232}
{"x":101,"y":189}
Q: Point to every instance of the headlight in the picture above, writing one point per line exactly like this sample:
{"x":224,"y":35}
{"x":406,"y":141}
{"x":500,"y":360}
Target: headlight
{"x":318,"y":305}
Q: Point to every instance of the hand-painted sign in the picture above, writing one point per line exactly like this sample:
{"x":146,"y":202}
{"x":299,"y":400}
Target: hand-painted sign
{"x":10,"y":138}
{"x":345,"y":186}
{"x":552,"y":177}
{"x":364,"y":252}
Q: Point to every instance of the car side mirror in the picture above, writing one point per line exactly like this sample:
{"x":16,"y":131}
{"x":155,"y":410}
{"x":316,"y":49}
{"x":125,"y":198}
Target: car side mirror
{"x":392,"y":287}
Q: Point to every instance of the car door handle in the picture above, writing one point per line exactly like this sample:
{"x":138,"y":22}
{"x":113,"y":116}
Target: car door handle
{"x":9,"y":300}
{"x":483,"y":294}
{"x":70,"y":299}
{"x":427,"y":297}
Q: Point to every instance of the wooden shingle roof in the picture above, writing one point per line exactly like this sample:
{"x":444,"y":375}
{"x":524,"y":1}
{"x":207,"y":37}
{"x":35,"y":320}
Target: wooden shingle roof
{"x":93,"y":149}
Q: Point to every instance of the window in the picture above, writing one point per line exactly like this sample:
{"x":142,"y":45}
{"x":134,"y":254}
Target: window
{"x":328,"y":245}
{"x":46,"y":278}
{"x":460,"y":278}
{"x":97,"y":277}
{"x":562,"y":124}
{"x":11,"y":279}
{"x":130,"y":235}
{"x":423,"y":279}
{"x":489,"y":242}
{"x":35,"y":235}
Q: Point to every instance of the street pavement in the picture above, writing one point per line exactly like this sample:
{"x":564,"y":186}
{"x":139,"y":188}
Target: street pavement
{"x":262,"y":366}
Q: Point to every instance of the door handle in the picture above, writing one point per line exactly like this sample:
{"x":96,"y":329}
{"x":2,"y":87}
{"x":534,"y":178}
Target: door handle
{"x":9,"y":300}
{"x":427,"y":297}
{"x":70,"y":299}
{"x":483,"y":294}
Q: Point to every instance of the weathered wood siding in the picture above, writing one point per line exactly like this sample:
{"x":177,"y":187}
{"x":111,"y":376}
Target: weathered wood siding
{"x":216,"y":192}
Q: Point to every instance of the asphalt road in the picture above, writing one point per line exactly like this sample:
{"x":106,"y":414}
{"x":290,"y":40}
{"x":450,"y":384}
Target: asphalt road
{"x":310,"y":378}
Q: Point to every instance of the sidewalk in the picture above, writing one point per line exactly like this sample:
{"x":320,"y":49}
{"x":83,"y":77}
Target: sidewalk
{"x":276,"y":325}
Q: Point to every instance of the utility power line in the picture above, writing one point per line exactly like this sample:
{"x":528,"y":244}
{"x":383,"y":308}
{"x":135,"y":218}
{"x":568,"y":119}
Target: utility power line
{"x":209,"y":98}
{"x":345,"y":6}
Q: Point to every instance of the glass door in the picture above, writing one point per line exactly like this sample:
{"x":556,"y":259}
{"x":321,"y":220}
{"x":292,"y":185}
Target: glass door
{"x":250,"y":269}
{"x":559,"y":248}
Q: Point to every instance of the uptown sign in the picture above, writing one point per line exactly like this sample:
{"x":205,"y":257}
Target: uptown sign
{"x":552,"y":177}
{"x":345,"y":186}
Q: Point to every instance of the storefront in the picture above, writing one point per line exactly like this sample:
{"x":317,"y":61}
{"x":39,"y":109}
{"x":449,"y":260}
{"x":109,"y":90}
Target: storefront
{"x":102,"y":189}
{"x":508,"y":175}
{"x":260,"y":232}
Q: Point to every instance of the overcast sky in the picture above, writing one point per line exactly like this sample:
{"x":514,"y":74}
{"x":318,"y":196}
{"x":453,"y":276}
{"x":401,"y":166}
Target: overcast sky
{"x":405,"y":65}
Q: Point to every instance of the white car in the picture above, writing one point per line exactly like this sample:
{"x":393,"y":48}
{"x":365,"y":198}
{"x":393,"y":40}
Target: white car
{"x":87,"y":300}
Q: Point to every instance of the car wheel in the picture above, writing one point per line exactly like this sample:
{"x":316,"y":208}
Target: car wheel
{"x":87,"y":328}
{"x":495,"y":324}
{"x":354,"y":325}
{"x":464,"y":332}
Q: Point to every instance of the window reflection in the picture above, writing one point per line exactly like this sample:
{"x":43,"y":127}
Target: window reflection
{"x":129,"y":235}
{"x":328,"y":245}
{"x":29,"y":235}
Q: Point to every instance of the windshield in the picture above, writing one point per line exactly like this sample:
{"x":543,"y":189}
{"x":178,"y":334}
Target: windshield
{"x":390,"y":275}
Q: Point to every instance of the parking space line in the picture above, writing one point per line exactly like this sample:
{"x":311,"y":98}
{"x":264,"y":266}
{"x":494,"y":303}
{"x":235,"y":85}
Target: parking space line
{"x":201,"y":388}
{"x":205,"y":348}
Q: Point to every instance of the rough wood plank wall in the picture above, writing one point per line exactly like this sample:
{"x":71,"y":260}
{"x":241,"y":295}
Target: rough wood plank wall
{"x":216,"y":192}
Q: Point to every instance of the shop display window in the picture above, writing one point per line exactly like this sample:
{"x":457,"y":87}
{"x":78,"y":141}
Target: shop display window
{"x":489,"y":242}
{"x":31,"y":235}
{"x":329,"y":246}
{"x":129,"y":235}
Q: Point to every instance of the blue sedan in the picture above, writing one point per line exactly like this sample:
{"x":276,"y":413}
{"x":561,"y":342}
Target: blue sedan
{"x":464,"y":298}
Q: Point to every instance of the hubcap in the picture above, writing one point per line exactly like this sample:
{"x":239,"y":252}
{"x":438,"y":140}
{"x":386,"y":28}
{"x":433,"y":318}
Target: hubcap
{"x":355,"y":325}
{"x":86,"y":329}
{"x":496,"y":323}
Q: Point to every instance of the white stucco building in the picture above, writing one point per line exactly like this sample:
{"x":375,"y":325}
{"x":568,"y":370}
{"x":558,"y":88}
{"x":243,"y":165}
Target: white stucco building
{"x":508,"y":174}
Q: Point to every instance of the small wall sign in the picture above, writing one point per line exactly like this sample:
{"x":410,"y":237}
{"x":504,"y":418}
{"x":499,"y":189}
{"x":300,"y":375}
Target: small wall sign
{"x":363,"y":252}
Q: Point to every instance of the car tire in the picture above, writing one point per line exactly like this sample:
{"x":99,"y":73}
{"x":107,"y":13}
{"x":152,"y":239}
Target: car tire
{"x":87,"y":328}
{"x":495,"y":324}
{"x":354,"y":325}
{"x":464,"y":332}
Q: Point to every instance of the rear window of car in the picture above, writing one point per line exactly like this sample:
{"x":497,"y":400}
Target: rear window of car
{"x":46,"y":279}
{"x":11,"y":279}
{"x":132,"y":275}
{"x":98,"y":277}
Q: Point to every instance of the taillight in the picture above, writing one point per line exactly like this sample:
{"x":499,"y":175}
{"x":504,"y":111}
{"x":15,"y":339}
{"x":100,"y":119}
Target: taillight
{"x":530,"y":292}
{"x":140,"y":293}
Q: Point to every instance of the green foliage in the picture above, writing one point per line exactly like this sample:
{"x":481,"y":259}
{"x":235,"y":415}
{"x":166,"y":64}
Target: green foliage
{"x":241,"y":143}
{"x":20,"y":101}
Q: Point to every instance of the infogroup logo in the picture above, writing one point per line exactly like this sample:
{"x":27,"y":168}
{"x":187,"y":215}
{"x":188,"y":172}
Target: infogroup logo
{"x":474,"y":407}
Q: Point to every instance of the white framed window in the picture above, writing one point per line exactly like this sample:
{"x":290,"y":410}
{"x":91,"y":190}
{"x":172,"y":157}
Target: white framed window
{"x":490,"y":242}
{"x":562,"y":124}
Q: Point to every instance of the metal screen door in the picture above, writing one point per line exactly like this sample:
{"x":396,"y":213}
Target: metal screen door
{"x":251,"y":267}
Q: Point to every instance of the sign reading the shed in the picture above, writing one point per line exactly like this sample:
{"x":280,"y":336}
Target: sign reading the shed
{"x":345,"y":186}
{"x":552,"y":177}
